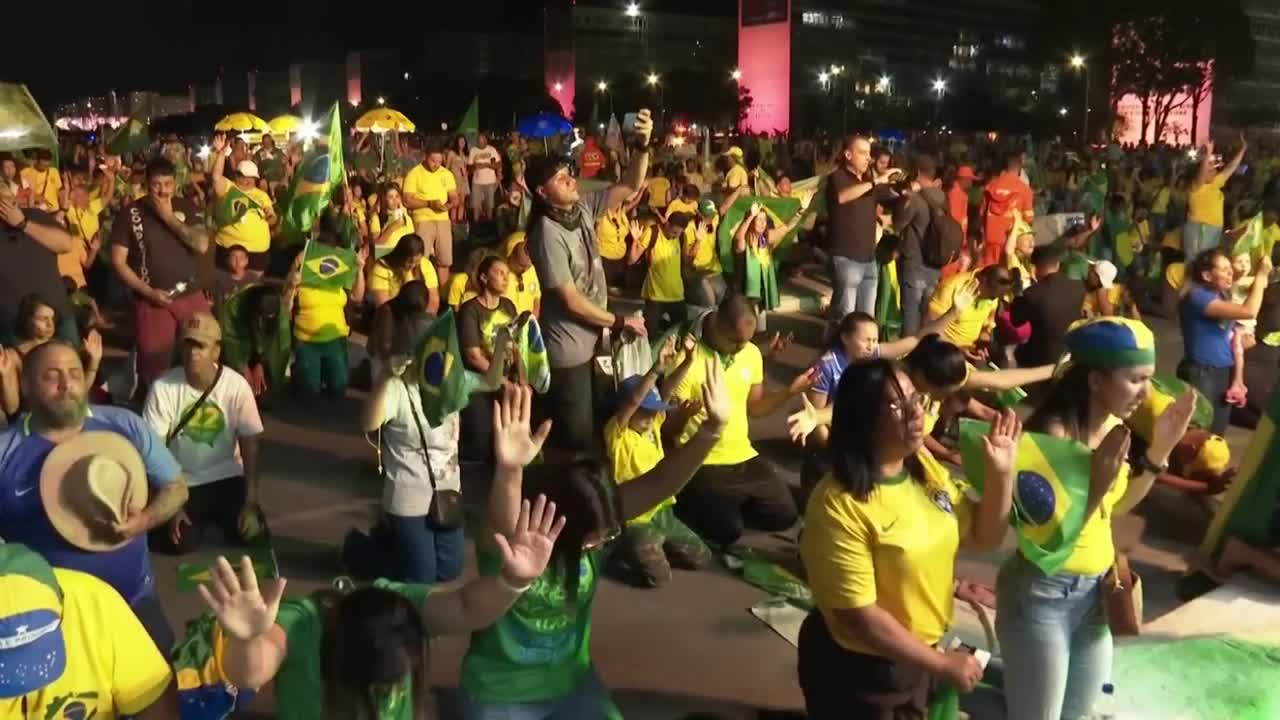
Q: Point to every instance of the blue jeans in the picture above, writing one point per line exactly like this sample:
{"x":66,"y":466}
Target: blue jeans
{"x":1054,"y":641}
{"x":407,"y":549}
{"x":589,"y":700}
{"x":918,"y":286}
{"x":854,"y":286}
{"x":1198,"y":237}
{"x":1213,"y":383}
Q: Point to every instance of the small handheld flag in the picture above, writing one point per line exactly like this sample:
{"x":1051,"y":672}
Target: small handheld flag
{"x":327,"y":267}
{"x":445,"y":383}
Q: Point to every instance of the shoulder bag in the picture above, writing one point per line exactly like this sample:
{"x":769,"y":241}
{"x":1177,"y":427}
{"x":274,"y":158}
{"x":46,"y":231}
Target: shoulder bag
{"x":445,"y":512}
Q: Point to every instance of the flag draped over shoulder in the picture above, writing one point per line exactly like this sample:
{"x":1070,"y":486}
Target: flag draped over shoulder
{"x":1051,"y":490}
{"x":313,"y":183}
{"x":203,"y":690}
{"x":328,"y":267}
{"x":233,"y":206}
{"x":1249,"y":509}
{"x":445,"y":383}
{"x":780,"y":211}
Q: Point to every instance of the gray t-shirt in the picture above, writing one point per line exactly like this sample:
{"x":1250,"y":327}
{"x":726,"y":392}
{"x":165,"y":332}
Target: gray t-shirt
{"x":562,"y":256}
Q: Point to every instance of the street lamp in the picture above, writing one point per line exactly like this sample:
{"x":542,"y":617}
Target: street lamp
{"x":823,"y":77}
{"x":653,"y":80}
{"x":939,"y":87}
{"x":1062,"y":112}
{"x":603,"y":86}
{"x":1078,"y":63}
{"x":382,"y":100}
{"x":736,"y":74}
{"x":633,"y":10}
{"x":559,"y":87}
{"x":884,"y":83}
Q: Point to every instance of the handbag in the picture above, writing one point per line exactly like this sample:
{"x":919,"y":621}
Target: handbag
{"x":445,"y":512}
{"x":1122,"y":598}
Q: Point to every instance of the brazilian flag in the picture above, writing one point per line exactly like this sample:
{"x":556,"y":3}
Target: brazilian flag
{"x":1050,"y":492}
{"x":1164,"y":390}
{"x":780,"y":211}
{"x":889,"y":303}
{"x":1248,"y":510}
{"x":204,"y":693}
{"x":313,"y":184}
{"x":1254,"y":239}
{"x":131,"y":137}
{"x":445,"y":383}
{"x":327,"y":267}
{"x":233,"y":206}
{"x":533,"y":355}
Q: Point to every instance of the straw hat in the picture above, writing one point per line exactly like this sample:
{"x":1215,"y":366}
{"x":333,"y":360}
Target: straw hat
{"x":89,"y":482}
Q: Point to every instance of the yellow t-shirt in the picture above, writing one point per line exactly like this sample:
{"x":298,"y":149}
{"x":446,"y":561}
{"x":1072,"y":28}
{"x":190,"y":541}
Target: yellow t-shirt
{"x":393,"y":237}
{"x":383,"y":278}
{"x":1115,"y":295}
{"x":680,"y":205}
{"x":321,"y":315}
{"x":1160,"y":205}
{"x":1095,"y":550}
{"x":659,"y":192}
{"x":458,"y":290}
{"x":83,"y":224}
{"x":44,"y":185}
{"x":611,"y":234}
{"x":966,"y":327}
{"x":1013,"y":262}
{"x":662,"y":283}
{"x":113,"y":667}
{"x":1204,"y":204}
{"x":524,"y":290}
{"x":429,"y":185}
{"x":736,"y":177}
{"x":252,"y":231}
{"x":706,"y":256}
{"x":896,"y":550}
{"x":742,"y":372}
{"x":632,"y":454}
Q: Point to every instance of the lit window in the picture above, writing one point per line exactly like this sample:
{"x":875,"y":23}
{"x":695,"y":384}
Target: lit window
{"x":815,"y":18}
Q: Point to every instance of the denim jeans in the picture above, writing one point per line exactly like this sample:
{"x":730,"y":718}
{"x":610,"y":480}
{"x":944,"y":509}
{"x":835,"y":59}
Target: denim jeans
{"x":854,"y":286}
{"x":320,"y":369}
{"x":589,"y":700}
{"x":1198,"y":237}
{"x":918,"y":285}
{"x":1054,"y":640}
{"x":1213,"y":383}
{"x":407,"y":549}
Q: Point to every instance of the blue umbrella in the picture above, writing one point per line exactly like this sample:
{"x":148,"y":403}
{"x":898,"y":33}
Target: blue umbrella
{"x":544,"y":125}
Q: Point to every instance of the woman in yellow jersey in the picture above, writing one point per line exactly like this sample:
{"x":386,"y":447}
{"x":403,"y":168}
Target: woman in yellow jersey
{"x":1052,"y":628}
{"x":246,"y":215}
{"x":320,"y":330}
{"x":611,"y":236}
{"x":879,"y":547}
{"x":408,"y":261}
{"x":388,"y":221}
{"x":704,"y":285}
{"x":1205,"y":202}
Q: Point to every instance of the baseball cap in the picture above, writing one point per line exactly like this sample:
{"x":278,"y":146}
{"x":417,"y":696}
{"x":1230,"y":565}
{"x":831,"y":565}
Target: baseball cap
{"x":33,"y":653}
{"x":966,"y":173}
{"x":707,"y":208}
{"x":247,"y":168}
{"x":652,"y":401}
{"x":201,"y":327}
{"x":1106,"y":271}
{"x":734,"y":152}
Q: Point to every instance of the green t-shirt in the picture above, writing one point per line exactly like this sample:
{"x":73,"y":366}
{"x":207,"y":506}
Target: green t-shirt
{"x":300,"y":683}
{"x":540,"y":649}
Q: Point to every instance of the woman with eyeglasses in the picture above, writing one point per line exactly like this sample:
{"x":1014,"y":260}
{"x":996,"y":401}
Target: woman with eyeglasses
{"x":880,"y":542}
{"x":1052,"y":629}
{"x":535,"y":662}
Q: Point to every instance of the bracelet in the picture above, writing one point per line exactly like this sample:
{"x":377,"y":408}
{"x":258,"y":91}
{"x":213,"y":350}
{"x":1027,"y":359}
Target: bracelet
{"x":515,"y":589}
{"x":1145,"y":464}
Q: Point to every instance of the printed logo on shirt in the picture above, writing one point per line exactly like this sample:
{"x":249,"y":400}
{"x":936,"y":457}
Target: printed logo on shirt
{"x":72,"y":706}
{"x":942,"y":499}
{"x":206,"y":424}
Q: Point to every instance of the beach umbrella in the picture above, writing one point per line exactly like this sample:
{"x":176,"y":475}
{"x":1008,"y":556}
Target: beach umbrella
{"x":544,"y":125}
{"x":242,"y":122}
{"x":381,"y":120}
{"x":285,"y":124}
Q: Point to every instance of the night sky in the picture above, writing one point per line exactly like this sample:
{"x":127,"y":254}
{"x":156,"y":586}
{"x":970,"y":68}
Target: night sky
{"x":70,"y":48}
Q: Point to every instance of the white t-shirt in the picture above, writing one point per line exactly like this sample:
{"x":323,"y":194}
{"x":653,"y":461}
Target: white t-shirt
{"x":484,"y":176}
{"x":407,"y":490}
{"x":208,"y":447}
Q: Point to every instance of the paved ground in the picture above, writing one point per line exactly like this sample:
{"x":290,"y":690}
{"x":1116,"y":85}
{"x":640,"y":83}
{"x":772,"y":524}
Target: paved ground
{"x":667,"y":653}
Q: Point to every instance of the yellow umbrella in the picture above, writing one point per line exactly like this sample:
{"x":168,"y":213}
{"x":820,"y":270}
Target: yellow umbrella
{"x":242,"y":122}
{"x":383,"y":120}
{"x":285,"y":124}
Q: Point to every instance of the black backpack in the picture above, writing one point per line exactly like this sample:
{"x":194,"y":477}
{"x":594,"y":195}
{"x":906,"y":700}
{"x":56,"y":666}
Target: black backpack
{"x":942,"y":239}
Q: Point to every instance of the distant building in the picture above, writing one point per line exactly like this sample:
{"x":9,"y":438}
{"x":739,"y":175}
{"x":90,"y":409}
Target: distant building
{"x":1261,"y":89}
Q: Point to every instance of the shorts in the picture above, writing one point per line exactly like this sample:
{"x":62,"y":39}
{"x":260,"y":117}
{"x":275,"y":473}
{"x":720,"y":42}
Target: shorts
{"x":483,"y":197}
{"x":437,"y":236}
{"x":258,"y":262}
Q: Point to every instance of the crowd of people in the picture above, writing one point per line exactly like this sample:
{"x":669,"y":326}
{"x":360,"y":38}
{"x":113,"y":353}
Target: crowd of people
{"x":948,"y":300}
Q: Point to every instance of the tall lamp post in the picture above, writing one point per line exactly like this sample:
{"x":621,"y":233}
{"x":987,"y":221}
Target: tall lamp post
{"x":837,"y":71}
{"x":655,"y":82}
{"x":603,"y":86}
{"x":1077,"y":63}
{"x":940,"y":88}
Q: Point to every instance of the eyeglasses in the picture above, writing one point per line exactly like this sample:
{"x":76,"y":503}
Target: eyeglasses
{"x":910,"y":406}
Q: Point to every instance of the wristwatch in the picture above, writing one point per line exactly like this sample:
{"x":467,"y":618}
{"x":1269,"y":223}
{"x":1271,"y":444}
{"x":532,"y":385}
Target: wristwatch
{"x":1144,"y":464}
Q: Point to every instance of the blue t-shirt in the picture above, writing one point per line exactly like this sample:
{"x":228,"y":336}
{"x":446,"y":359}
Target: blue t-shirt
{"x":22,"y":516}
{"x":1205,"y":340}
{"x":830,"y":367}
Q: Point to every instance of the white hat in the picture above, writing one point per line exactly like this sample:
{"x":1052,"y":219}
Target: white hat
{"x":1106,"y":271}
{"x":247,"y":168}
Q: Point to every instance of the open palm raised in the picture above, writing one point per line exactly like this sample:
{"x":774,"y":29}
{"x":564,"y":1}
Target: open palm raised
{"x":514,"y":443}
{"x":243,"y":611}
{"x":527,"y":551}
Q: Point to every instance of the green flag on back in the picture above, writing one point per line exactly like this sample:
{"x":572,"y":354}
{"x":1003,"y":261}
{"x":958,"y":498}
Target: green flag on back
{"x":469,"y":125}
{"x":1050,"y":492}
{"x":328,"y":267}
{"x":313,"y":183}
{"x":445,"y":383}
{"x":233,"y":206}
{"x":780,"y":211}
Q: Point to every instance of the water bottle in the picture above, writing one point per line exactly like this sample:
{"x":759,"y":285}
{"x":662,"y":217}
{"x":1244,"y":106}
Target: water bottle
{"x":1105,"y":708}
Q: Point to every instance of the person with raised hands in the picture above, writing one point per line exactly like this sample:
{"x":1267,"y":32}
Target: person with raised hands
{"x":535,"y":661}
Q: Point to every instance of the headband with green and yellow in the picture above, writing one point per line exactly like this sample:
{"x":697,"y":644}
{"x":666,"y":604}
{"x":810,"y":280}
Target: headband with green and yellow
{"x":1110,"y":342}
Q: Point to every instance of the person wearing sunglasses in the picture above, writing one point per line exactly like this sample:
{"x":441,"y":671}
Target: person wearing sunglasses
{"x":535,"y":661}
{"x":881,"y":535}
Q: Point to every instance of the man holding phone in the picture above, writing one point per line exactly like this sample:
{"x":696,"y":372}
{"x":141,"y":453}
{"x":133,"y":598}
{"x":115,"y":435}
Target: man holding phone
{"x":429,"y":191}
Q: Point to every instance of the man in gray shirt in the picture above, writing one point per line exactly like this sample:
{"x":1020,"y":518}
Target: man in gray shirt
{"x":562,"y":245}
{"x":911,"y":220}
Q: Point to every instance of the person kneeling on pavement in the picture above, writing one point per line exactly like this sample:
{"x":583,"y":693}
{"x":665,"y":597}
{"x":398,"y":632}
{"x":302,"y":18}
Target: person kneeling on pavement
{"x":209,"y":419}
{"x":654,"y":542}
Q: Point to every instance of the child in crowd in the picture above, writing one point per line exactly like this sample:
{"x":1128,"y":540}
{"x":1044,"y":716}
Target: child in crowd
{"x":655,"y":541}
{"x":1243,"y":335}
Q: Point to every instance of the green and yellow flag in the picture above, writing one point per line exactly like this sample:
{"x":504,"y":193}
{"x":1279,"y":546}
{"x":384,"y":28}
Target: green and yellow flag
{"x":533,"y":355}
{"x":233,"y":206}
{"x":445,"y":383}
{"x":780,"y":211}
{"x":328,"y":267}
{"x":889,"y":303}
{"x":22,"y":124}
{"x":1164,"y":390}
{"x":1051,"y":490}
{"x":1248,"y":510}
{"x":131,"y":137}
{"x":1253,"y":241}
{"x":313,"y":183}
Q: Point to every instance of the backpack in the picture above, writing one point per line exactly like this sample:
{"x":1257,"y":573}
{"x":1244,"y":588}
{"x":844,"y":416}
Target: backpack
{"x":942,"y":239}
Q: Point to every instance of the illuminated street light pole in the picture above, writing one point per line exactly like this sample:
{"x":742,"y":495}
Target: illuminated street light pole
{"x":655,"y":82}
{"x":1077,"y":62}
{"x":603,"y":86}
{"x":838,"y":71}
{"x":939,"y":87}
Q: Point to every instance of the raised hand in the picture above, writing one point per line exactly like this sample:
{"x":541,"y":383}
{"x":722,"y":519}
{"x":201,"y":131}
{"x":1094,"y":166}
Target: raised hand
{"x":1107,"y":458}
{"x":525,"y":554}
{"x":636,"y":229}
{"x":243,"y":611}
{"x":219,"y":143}
{"x":1000,"y":444}
{"x":514,"y":444}
{"x":1171,"y":426}
{"x":755,"y":209}
{"x":644,"y":126}
{"x":667,"y":354}
{"x":801,"y":424}
{"x":93,"y":347}
{"x":803,"y":381}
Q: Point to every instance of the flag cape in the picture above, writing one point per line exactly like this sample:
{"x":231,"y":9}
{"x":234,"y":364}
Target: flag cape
{"x":1164,"y":390}
{"x":242,"y":338}
{"x":313,"y":184}
{"x":469,"y":125}
{"x":889,"y":303}
{"x":445,"y":383}
{"x":533,"y":355}
{"x":1248,"y":510}
{"x":1051,"y":489}
{"x":22,"y":124}
{"x":233,"y":206}
{"x":780,"y":211}
{"x":327,"y":267}
{"x":203,"y":690}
